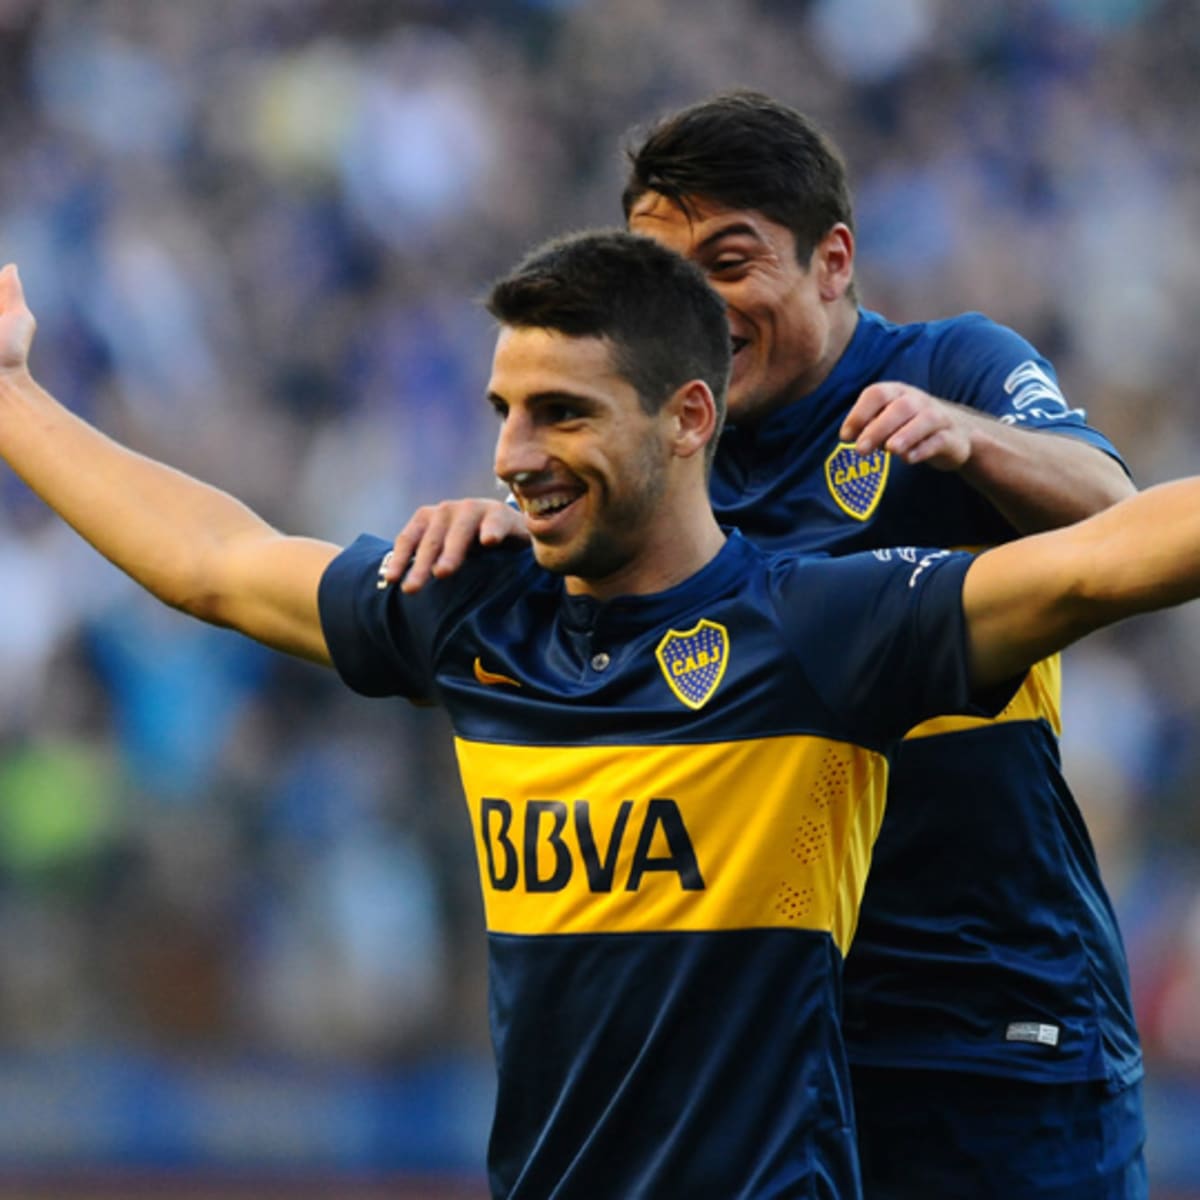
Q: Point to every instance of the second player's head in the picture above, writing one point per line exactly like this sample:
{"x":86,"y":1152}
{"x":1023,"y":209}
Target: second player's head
{"x":754,"y":193}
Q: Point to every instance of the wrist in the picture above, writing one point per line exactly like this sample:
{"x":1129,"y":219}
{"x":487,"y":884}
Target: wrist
{"x":984,"y":444}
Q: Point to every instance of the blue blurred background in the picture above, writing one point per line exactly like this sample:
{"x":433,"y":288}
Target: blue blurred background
{"x":240,"y":934}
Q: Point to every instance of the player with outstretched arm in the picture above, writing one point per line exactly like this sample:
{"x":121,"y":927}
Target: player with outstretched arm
{"x":988,"y":1016}
{"x":674,"y":746}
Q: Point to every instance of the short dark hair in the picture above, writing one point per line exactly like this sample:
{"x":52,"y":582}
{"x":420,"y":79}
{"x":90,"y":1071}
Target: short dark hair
{"x":745,"y":150}
{"x":666,"y":325}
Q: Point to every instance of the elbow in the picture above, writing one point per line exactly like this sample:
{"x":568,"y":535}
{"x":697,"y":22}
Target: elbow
{"x":192,"y":594}
{"x":203,"y":605}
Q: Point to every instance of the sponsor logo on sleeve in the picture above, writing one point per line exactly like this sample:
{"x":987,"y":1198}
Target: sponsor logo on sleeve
{"x":925,"y":563}
{"x":1035,"y":396}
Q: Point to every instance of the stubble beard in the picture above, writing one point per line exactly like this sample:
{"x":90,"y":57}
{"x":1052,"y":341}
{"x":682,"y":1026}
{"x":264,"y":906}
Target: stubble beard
{"x":614,"y":541}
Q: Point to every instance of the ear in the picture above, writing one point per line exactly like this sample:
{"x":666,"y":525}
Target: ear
{"x":692,"y":414}
{"x":833,"y":261}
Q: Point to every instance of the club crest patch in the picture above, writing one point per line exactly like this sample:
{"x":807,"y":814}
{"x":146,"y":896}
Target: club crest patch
{"x":693,"y":662}
{"x":856,"y":481}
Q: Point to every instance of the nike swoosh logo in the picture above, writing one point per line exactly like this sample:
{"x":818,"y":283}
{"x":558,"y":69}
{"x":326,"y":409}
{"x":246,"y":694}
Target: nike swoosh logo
{"x":492,"y":677}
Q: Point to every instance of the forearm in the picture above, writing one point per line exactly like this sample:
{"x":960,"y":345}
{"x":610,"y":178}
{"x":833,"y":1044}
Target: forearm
{"x":1036,"y":595}
{"x":152,"y":521}
{"x":1040,"y":480}
{"x":1141,"y":555}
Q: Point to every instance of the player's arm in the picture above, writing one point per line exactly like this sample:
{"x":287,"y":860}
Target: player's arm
{"x":191,"y":545}
{"x":1036,"y":479}
{"x":1036,"y":595}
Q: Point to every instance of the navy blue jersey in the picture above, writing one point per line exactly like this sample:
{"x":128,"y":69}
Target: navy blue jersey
{"x":673,"y":800}
{"x":986,"y":941}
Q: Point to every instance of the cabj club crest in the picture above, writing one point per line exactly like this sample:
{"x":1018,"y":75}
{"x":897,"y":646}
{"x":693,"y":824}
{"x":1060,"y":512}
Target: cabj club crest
{"x":694,"y":661}
{"x":856,"y":481}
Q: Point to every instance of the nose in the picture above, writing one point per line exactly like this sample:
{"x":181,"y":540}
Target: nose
{"x":518,"y":448}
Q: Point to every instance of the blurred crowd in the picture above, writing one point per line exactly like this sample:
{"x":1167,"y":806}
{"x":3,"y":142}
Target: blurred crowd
{"x":255,"y":232}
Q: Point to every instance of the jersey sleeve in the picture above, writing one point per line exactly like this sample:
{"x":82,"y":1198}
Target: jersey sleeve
{"x":378,"y":642}
{"x":881,"y":637}
{"x":987,"y":366}
{"x":384,"y":642}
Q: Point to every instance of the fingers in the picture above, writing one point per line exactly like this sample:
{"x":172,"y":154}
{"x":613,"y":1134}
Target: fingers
{"x":937,"y":447}
{"x":501,"y":522}
{"x":424,"y":547}
{"x":458,"y":527}
{"x":879,"y":413}
{"x":11,"y":295}
{"x":900,"y":432}
{"x":438,"y":538}
{"x":17,"y":324}
{"x":909,"y":423}
{"x":871,"y":401}
{"x":403,"y":547}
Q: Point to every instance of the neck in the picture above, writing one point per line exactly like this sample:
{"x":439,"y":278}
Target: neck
{"x":842,"y":324}
{"x":669,"y":554}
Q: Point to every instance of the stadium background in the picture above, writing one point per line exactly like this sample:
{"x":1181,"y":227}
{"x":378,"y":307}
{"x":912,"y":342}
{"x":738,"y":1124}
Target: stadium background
{"x":239,"y":930}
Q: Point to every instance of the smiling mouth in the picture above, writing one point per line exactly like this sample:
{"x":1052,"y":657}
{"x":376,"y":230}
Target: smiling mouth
{"x":547,"y":506}
{"x":542,"y":508}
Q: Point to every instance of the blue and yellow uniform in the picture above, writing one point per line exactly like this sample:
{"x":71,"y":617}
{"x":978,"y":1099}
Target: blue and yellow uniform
{"x":673,"y":799}
{"x":986,"y":943}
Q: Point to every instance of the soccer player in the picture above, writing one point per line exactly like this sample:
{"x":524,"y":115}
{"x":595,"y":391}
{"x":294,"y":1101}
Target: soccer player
{"x":988,"y":1016}
{"x":673,"y":745}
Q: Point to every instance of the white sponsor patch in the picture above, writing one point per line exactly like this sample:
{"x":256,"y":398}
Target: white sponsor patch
{"x":1035,"y":396}
{"x":1032,"y":1031}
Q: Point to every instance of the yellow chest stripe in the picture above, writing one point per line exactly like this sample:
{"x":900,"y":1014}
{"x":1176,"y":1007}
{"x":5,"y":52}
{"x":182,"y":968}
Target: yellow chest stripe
{"x":771,"y":832}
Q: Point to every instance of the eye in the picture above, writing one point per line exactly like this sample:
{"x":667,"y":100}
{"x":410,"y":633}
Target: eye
{"x":727,"y":264}
{"x":498,"y":407}
{"x":559,"y":412}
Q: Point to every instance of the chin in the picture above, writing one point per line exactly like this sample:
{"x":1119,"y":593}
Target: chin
{"x":741,"y":408}
{"x":748,"y":406}
{"x":549,"y":558}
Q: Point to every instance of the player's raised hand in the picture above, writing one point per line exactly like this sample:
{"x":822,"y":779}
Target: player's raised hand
{"x":438,"y":537}
{"x":16,"y":323}
{"x":911,"y":424}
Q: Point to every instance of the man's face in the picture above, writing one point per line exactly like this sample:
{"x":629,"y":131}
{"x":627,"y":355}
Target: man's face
{"x":779,"y":311}
{"x":586,"y":463}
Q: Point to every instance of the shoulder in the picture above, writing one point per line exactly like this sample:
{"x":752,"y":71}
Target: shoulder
{"x":975,"y":360}
{"x":360,"y":565}
{"x":961,"y":341}
{"x":833,"y":576}
{"x":384,"y":641}
{"x":878,"y":634}
{"x":975,"y":332}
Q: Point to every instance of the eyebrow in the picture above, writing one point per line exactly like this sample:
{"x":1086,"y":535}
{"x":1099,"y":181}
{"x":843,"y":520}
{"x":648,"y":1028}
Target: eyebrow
{"x":737,"y":228}
{"x":550,"y":397}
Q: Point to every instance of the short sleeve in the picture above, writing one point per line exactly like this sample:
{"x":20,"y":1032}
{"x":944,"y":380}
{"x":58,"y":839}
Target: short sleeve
{"x":990,"y":367}
{"x":377,"y":646}
{"x":881,"y":637}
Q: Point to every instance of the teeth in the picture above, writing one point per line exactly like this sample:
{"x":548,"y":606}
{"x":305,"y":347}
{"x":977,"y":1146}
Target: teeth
{"x":540,"y":506}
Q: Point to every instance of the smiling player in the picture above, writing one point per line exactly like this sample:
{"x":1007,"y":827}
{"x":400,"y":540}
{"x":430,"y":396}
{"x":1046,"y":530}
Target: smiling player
{"x":675,"y":756}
